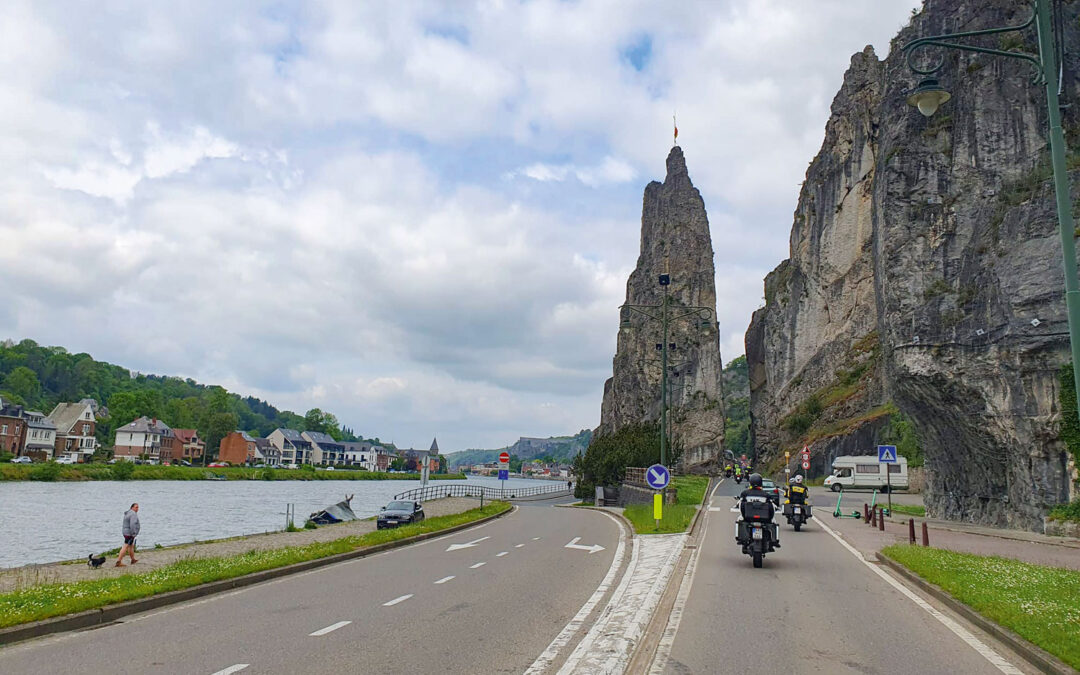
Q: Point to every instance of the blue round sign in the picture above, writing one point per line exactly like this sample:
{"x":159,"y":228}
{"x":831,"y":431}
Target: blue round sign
{"x":657,"y":476}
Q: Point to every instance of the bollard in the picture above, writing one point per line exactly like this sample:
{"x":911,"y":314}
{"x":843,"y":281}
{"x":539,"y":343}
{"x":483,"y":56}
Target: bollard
{"x":911,"y":531}
{"x":873,"y":517}
{"x":925,"y":535}
{"x":881,"y":520}
{"x":866,"y":512}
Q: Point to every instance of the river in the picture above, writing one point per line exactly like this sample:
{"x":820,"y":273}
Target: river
{"x":46,"y":522}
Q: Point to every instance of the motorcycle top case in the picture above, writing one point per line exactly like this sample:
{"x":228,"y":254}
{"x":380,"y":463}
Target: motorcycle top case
{"x":757,"y":511}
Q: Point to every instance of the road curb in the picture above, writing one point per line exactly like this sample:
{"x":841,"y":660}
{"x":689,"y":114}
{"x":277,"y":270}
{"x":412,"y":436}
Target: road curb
{"x":111,"y":613}
{"x":1033,"y":654}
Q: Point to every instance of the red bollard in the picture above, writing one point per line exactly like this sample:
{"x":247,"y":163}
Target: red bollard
{"x":925,"y":535}
{"x":911,"y":531}
{"x":873,"y":517}
{"x":881,"y":520}
{"x":866,"y":513}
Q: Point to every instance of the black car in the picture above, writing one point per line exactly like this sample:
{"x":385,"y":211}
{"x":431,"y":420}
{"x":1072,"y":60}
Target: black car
{"x":397,"y":513}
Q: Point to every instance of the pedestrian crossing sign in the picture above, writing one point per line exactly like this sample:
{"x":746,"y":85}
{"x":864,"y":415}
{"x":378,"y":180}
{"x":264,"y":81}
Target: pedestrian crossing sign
{"x":886,"y":454}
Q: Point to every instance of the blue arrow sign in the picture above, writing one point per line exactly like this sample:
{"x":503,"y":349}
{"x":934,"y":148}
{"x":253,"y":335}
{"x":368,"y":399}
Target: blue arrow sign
{"x":886,"y":454}
{"x":657,"y":476}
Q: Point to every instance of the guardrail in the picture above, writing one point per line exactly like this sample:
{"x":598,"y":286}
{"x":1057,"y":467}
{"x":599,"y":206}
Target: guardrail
{"x":443,"y":490}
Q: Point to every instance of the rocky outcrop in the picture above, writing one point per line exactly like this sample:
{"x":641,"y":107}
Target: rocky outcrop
{"x":925,"y":280}
{"x":675,"y":240}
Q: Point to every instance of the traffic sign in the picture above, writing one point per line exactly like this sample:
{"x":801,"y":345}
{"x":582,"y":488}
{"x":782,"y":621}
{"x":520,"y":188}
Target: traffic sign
{"x":504,"y":474}
{"x":657,"y":476}
{"x":886,"y":454}
{"x":504,"y":457}
{"x":805,"y":464}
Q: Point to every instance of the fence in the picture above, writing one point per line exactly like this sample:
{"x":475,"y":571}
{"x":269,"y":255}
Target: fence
{"x":443,"y":490}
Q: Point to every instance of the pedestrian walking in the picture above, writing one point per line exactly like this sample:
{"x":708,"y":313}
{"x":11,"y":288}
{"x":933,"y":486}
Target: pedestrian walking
{"x":569,"y":485}
{"x":130,"y":531}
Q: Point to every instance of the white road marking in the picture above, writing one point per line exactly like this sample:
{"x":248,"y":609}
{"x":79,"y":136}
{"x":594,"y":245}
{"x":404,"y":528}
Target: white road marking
{"x":961,"y":632}
{"x":518,"y":545}
{"x":479,"y":564}
{"x":329,"y":629}
{"x":233,"y":669}
{"x":542,"y":662}
{"x":474,"y":542}
{"x":445,"y":579}
{"x":499,"y":555}
{"x":397,"y":600}
{"x":536,"y":538}
{"x":591,"y":549}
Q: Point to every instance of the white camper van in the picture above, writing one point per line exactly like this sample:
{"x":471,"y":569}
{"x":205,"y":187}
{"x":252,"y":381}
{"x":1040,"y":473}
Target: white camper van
{"x":866,"y":472}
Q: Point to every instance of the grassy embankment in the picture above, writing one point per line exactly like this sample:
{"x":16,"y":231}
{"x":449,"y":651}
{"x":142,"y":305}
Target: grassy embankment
{"x":909,"y":510}
{"x":49,"y":600}
{"x":1041,"y":604}
{"x":82,"y":472}
{"x":1069,"y":511}
{"x":677,"y":517}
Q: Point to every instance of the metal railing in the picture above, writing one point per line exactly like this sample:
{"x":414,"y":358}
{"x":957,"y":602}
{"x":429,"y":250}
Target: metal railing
{"x":442,"y":490}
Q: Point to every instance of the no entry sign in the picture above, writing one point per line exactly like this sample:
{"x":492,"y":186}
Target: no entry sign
{"x":504,"y":457}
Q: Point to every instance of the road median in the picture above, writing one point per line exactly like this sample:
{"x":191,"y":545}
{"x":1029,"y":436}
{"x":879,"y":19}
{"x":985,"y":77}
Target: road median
{"x":52,"y":608}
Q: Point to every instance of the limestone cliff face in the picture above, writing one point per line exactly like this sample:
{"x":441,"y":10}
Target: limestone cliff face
{"x":925,"y":280}
{"x":675,"y":240}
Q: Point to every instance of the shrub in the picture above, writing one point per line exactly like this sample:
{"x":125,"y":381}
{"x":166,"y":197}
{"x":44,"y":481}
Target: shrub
{"x":49,"y":471}
{"x":267,"y":474}
{"x":606,"y":458}
{"x":6,"y":457}
{"x":1066,"y":511}
{"x":122,"y":470}
{"x":308,"y":525}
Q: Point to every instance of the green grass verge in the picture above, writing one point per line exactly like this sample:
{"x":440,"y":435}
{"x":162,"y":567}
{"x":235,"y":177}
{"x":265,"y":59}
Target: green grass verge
{"x":49,"y":600}
{"x":83,"y":472}
{"x":677,"y":517}
{"x":1041,"y":604}
{"x":1069,"y":511}
{"x":909,"y":510}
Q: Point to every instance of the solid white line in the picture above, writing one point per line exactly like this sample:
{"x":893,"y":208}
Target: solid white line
{"x":397,"y":600}
{"x":329,"y":629}
{"x":499,"y":555}
{"x":445,"y":579}
{"x":232,"y":669}
{"x":549,"y":655}
{"x":961,"y":632}
{"x":480,"y":564}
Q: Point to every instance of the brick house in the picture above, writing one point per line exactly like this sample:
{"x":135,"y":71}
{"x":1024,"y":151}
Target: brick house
{"x":75,"y":427}
{"x":11,"y":427}
{"x":192,"y":447}
{"x":151,"y":437}
{"x":238,"y":448}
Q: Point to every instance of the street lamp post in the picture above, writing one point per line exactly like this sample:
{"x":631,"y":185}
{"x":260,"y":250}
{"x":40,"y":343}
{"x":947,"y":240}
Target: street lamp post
{"x":665,"y":317}
{"x":929,"y":95}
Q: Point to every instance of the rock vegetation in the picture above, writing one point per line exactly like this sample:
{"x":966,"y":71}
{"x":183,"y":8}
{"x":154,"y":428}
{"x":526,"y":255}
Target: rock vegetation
{"x":924,"y":285}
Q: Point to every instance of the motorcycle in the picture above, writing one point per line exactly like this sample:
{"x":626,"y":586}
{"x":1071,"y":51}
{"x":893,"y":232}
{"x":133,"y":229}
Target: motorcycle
{"x":797,"y":514}
{"x":738,"y":478}
{"x":756,"y":532}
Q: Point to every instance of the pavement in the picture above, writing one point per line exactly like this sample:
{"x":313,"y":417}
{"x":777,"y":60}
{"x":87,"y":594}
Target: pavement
{"x":817,"y":606}
{"x":487,"y":599}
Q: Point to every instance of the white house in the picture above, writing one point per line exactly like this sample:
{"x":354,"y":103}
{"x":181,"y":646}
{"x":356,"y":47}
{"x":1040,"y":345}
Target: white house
{"x":362,"y":454}
{"x":40,"y":436}
{"x":294,"y":448}
{"x":144,"y":436}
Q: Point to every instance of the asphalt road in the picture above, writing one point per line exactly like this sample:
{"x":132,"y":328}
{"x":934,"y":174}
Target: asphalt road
{"x":489,"y":608}
{"x":813,"y":608}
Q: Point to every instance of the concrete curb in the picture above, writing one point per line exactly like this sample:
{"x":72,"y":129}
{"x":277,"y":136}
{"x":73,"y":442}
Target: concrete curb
{"x":1034,"y":655}
{"x":110,"y":613}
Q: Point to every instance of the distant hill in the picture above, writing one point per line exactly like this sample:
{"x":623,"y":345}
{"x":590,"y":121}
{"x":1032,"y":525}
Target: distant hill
{"x":736,"y":380}
{"x":556,"y":448}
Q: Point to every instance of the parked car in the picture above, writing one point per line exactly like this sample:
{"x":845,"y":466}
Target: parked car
{"x":21,"y":460}
{"x":184,"y":462}
{"x":66,"y":460}
{"x":217,"y":465}
{"x":399,"y":512}
{"x":775,"y":492}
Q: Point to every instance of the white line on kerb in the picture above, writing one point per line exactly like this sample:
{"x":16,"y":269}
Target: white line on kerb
{"x":499,"y":555}
{"x":233,"y":669}
{"x":480,"y":564}
{"x":397,"y":600}
{"x":329,"y":629}
{"x":445,"y":579}
{"x":961,"y":632}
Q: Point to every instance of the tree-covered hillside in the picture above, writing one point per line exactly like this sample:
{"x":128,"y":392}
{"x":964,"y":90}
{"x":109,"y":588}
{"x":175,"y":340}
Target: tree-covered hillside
{"x":552,"y":449}
{"x":736,"y":380}
{"x":40,"y":377}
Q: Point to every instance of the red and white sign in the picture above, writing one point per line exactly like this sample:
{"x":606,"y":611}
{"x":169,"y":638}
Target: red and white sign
{"x":504,"y":457}
{"x":805,"y":464}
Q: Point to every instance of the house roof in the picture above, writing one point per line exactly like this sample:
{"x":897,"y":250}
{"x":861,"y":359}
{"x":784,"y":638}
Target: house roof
{"x":320,"y":438}
{"x":264,"y":444}
{"x":290,"y":434}
{"x":145,"y":424}
{"x":66,"y":415}
{"x":246,"y":436}
{"x":434,"y":446}
{"x":186,"y":435}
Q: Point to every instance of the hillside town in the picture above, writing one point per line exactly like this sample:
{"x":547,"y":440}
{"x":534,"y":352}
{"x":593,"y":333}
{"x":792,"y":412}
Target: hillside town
{"x":67,"y":436}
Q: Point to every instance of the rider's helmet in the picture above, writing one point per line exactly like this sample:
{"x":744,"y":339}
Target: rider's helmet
{"x":755,"y":479}
{"x":797,"y":479}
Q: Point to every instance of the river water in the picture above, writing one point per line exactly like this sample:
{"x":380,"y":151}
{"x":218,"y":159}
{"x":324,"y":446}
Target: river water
{"x":45,"y":522}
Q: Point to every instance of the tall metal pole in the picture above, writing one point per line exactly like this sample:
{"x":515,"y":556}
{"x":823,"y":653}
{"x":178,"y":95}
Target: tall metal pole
{"x":663,"y":381}
{"x":1047,"y":55}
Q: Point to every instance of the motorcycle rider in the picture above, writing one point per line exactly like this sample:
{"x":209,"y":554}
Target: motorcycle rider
{"x":796,"y":492}
{"x":751,"y":499}
{"x":738,"y":471}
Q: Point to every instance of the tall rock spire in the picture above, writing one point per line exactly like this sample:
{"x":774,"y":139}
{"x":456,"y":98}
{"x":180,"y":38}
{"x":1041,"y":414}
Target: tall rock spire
{"x":675,"y":240}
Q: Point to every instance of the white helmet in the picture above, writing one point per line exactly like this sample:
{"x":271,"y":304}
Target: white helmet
{"x":798,"y":479}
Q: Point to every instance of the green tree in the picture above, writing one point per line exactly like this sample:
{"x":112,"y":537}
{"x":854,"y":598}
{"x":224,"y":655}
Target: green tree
{"x":23,"y":382}
{"x":122,"y":409}
{"x":218,"y":427}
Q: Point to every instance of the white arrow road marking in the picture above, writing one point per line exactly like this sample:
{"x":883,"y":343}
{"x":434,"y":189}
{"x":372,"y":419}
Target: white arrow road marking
{"x":232,"y":669}
{"x":499,"y":555}
{"x":591,"y":549}
{"x":474,"y":542}
{"x":397,"y":600}
{"x":329,"y":629}
{"x":445,"y":579}
{"x":481,"y":564}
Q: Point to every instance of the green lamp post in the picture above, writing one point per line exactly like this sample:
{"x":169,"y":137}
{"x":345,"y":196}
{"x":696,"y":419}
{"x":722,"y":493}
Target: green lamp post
{"x":929,"y":95}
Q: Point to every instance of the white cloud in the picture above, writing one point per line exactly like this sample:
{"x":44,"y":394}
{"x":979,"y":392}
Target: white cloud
{"x":609,"y":171}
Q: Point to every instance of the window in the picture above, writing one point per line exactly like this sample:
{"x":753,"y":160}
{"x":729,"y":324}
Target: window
{"x":3,"y":429}
{"x":85,"y":429}
{"x":867,"y":468}
{"x":894,"y":468}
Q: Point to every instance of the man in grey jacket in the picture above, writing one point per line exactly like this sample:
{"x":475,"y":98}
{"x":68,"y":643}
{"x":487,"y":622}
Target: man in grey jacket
{"x":131,"y":530}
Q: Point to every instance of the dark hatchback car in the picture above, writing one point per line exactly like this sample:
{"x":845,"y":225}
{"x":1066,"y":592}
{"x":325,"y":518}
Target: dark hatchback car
{"x":398,"y":513}
{"x":775,"y":492}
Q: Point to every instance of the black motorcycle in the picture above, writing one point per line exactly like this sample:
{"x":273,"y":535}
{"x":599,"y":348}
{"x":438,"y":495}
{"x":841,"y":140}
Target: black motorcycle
{"x":756,"y":532}
{"x":797,"y":514}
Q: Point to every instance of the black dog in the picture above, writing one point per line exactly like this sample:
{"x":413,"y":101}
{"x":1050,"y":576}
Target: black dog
{"x":91,"y":561}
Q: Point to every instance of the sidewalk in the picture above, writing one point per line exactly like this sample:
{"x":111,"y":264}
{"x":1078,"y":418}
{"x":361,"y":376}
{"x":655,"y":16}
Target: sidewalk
{"x":32,"y":575}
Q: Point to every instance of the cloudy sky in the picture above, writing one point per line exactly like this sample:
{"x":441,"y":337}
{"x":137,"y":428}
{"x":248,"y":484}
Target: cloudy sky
{"x":419,"y":216}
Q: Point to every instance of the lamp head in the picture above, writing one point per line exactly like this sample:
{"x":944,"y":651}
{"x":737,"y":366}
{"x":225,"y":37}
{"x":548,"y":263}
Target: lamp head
{"x":928,"y":96}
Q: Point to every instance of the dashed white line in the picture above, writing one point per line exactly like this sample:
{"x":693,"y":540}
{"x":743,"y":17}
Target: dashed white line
{"x":397,"y":600}
{"x":233,"y":669}
{"x":479,"y":564}
{"x":518,"y":545}
{"x":536,"y":538}
{"x":445,"y":579}
{"x":329,"y":629}
{"x":499,"y":555}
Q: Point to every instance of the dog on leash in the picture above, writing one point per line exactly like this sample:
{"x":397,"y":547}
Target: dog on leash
{"x":93,"y":562}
